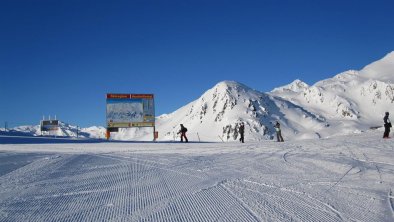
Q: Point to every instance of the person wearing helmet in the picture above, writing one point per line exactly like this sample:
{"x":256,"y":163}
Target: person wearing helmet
{"x":387,"y":126}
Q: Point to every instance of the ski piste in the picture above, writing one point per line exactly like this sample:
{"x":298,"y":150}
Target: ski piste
{"x":308,"y":180}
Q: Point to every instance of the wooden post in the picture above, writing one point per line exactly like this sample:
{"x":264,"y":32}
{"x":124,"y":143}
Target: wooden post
{"x":108,"y":134}
{"x":155,"y":134}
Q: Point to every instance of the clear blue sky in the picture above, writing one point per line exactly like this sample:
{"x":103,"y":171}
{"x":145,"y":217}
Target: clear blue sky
{"x":62,"y":57}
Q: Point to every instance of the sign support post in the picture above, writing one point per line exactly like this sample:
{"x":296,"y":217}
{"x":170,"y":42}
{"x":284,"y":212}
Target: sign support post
{"x":107,"y":134}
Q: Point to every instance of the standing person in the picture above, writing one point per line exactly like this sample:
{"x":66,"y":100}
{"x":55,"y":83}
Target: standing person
{"x":387,"y":126}
{"x":278,"y":132}
{"x":242,"y":132}
{"x":183,"y":131}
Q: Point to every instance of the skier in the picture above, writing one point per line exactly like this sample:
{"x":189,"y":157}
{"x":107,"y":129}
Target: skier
{"x":278,"y":132}
{"x":387,"y":126}
{"x":241,"y":132}
{"x":183,"y":131}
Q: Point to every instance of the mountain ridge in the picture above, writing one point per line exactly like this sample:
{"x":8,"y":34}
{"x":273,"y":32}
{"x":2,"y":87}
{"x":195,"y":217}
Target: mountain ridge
{"x":351,"y":94}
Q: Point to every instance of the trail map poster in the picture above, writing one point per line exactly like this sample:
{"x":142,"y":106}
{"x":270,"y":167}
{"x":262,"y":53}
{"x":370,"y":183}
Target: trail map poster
{"x":130,"y":110}
{"x":49,"y":125}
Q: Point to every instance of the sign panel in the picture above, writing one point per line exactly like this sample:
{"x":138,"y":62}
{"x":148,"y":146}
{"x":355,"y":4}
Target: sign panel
{"x":130,"y":110}
{"x":49,"y":125}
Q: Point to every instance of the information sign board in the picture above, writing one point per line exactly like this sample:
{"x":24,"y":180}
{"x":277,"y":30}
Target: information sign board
{"x":130,"y":110}
{"x":49,"y":125}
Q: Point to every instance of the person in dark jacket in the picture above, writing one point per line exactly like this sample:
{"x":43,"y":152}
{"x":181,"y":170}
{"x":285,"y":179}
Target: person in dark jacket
{"x":183,"y":131}
{"x":241,"y":131}
{"x":387,"y":126}
{"x":278,"y":132}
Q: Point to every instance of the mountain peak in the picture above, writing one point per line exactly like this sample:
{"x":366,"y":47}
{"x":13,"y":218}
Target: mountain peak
{"x":299,"y":83}
{"x":230,"y":88}
{"x":229,"y":84}
{"x":295,"y":86}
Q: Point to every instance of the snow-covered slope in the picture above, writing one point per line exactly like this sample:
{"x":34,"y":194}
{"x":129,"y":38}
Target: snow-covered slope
{"x":350,"y":100}
{"x":65,"y":130}
{"x":381,"y":70}
{"x":346,"y":178}
{"x":216,"y":115}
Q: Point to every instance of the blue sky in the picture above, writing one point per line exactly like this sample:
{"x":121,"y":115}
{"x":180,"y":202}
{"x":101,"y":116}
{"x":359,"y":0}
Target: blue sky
{"x":62,"y":57}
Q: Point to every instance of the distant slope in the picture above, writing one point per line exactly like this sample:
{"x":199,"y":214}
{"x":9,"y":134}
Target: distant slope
{"x":65,"y":130}
{"x":352,"y":100}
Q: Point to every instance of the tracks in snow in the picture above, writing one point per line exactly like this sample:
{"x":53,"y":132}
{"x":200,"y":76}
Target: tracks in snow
{"x":255,"y":184}
{"x":391,"y":201}
{"x":87,"y":187}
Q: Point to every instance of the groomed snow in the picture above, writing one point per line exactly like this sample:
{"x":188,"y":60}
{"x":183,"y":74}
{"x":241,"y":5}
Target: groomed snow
{"x":348,"y":178}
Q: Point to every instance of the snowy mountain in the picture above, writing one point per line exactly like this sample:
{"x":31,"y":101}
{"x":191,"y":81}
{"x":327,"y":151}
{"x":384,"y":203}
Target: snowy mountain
{"x":216,"y":116}
{"x":350,"y":100}
{"x":64,"y":130}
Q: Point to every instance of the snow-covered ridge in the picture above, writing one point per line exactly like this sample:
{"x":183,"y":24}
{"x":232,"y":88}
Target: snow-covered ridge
{"x":64,"y":130}
{"x":296,"y":86}
{"x":353,"y":99}
{"x":381,"y":70}
{"x":216,"y":115}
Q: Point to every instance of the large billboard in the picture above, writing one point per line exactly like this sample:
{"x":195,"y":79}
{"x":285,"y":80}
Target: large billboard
{"x":130,"y":110}
{"x":49,"y":125}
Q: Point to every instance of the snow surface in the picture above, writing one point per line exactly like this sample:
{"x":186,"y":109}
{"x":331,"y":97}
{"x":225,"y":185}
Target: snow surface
{"x":348,"y":178}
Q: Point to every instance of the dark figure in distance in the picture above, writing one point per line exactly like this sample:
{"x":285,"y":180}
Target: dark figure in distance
{"x":387,"y":126}
{"x":278,"y":132}
{"x":242,"y":132}
{"x":183,"y":131}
